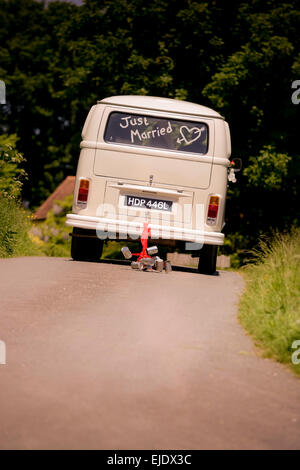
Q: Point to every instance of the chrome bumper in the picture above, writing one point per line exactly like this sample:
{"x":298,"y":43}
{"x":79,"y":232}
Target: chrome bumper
{"x":134,"y":229}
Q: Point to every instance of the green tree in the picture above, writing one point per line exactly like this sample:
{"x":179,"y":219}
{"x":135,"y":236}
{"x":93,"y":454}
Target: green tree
{"x":12,"y":175}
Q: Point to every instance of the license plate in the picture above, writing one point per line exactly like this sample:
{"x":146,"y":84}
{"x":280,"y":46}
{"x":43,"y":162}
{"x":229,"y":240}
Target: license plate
{"x":148,"y":203}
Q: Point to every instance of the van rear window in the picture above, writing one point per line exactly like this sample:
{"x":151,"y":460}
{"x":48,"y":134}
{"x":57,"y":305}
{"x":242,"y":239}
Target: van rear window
{"x":157,"y":132}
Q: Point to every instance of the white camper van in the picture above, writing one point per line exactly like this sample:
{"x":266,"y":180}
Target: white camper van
{"x":151,"y":160}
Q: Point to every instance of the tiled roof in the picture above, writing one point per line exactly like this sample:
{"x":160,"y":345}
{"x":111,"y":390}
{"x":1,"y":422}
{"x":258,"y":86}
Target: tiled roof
{"x":63,"y":190}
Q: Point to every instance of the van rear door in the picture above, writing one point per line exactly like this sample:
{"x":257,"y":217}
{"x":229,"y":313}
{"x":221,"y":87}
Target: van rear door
{"x":136,"y":150}
{"x":176,"y":152}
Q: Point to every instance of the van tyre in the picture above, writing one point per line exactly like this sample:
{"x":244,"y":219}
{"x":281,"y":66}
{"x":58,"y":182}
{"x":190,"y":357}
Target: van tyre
{"x":85,"y":248}
{"x":208,"y":259}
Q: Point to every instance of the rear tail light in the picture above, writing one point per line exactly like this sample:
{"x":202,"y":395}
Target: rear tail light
{"x":213,"y":207}
{"x":83,"y":192}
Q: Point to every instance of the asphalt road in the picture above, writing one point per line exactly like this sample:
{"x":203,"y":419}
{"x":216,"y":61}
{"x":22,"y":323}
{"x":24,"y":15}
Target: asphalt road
{"x":100,"y":356}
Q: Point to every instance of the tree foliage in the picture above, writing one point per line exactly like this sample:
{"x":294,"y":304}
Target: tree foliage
{"x":267,"y":170}
{"x":12,"y":175}
{"x":14,"y":220}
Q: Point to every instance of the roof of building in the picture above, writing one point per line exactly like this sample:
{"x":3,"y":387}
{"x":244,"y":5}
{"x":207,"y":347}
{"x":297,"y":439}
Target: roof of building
{"x":161,"y":104}
{"x":66,"y":188}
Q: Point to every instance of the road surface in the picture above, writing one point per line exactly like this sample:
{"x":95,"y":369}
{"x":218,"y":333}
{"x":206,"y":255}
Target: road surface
{"x":103,"y":357}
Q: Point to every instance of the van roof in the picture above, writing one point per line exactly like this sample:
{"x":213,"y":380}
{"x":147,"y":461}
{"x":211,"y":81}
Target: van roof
{"x":161,"y":104}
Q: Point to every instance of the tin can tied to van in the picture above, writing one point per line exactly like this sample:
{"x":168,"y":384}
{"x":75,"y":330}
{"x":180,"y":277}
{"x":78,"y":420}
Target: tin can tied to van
{"x":144,"y":264}
{"x":152,"y":250}
{"x":167,"y":266}
{"x":126,"y":252}
{"x":159,"y":264}
{"x":136,"y":265}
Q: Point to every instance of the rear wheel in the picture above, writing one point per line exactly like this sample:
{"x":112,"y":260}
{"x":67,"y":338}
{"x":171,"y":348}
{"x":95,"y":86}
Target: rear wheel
{"x":85,"y":245}
{"x":208,"y":259}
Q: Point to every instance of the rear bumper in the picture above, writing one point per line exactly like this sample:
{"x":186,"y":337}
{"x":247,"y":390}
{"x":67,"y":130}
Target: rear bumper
{"x":107,"y":228}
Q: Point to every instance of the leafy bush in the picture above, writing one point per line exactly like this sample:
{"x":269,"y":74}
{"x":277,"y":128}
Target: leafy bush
{"x":270,"y":307}
{"x":11,"y":175}
{"x":53,"y":234}
{"x":234,"y":246}
{"x":268,"y":170}
{"x":15,"y":223}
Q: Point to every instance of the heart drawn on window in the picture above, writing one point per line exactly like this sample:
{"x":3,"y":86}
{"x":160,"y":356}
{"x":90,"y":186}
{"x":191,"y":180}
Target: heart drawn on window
{"x":189,"y":135}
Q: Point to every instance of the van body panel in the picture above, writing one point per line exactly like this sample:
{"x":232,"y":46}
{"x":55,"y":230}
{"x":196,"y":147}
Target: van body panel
{"x":165,"y":105}
{"x":228,"y":139}
{"x":221,"y":143}
{"x":91,"y":126}
{"x":165,"y":170}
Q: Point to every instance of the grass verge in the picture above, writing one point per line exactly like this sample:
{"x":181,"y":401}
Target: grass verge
{"x":15,"y":223}
{"x":270,"y":307}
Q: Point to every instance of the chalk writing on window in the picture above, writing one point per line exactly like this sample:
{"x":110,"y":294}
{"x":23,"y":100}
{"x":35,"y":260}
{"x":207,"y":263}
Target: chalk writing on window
{"x":157,"y":132}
